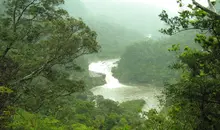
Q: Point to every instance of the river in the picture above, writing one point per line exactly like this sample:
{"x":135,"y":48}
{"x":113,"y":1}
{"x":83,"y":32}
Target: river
{"x":116,"y":91}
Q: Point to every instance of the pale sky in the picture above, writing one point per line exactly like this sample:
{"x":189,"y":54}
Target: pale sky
{"x":141,"y":15}
{"x":170,"y":5}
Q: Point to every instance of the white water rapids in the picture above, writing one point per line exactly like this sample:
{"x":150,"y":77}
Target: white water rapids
{"x":116,"y":91}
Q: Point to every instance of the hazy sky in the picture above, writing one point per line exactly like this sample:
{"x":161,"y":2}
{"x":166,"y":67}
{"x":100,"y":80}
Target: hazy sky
{"x":141,"y":15}
{"x":170,"y":5}
{"x":166,"y":4}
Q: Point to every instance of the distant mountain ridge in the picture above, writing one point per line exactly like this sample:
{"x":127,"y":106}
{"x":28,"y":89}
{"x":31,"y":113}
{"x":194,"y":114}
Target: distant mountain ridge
{"x":112,"y":37}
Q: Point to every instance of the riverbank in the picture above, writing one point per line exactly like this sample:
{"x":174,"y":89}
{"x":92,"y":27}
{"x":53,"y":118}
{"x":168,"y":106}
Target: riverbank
{"x":114,"y":90}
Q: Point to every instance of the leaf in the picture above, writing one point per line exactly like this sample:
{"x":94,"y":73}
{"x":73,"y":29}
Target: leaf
{"x":202,"y":73}
{"x":190,"y":6}
{"x":202,"y":65}
{"x":4,"y":89}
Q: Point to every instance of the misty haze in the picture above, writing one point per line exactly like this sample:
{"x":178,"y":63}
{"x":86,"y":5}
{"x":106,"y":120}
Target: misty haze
{"x":109,"y":65}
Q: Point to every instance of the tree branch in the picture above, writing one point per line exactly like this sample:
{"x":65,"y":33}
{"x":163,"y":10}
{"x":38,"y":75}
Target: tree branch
{"x":33,"y":73}
{"x":22,"y":12}
{"x":14,"y":17}
{"x":15,"y":22}
{"x":14,"y":30}
{"x":216,"y":15}
{"x":7,"y":49}
{"x":188,"y":29}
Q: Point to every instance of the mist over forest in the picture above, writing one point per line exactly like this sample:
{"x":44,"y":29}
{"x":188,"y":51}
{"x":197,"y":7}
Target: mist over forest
{"x":130,"y":15}
{"x":109,"y":65}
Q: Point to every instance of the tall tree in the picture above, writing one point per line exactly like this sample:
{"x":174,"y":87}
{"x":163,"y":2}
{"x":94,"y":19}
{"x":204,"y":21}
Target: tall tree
{"x":195,"y":98}
{"x":35,"y":35}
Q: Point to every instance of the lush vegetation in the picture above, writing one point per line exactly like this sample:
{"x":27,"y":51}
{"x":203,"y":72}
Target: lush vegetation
{"x":148,"y":62}
{"x":192,"y":103}
{"x":37,"y":35}
{"x":194,"y":99}
{"x":43,"y":85}
{"x":112,"y":37}
{"x":145,"y":63}
{"x":81,"y":111}
{"x":42,"y":69}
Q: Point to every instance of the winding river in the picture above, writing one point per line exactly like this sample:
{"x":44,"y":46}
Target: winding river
{"x":116,"y":91}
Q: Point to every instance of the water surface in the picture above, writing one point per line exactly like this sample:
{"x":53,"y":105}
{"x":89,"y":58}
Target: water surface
{"x":116,"y":91}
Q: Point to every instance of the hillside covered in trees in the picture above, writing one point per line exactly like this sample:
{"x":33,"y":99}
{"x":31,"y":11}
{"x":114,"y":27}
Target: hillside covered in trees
{"x":112,"y":36}
{"x":46,"y":50}
{"x":152,"y":60}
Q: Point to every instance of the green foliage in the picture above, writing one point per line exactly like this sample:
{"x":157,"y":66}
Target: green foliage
{"x":134,"y":106}
{"x":38,"y":43}
{"x":39,"y":76}
{"x":193,"y":101}
{"x":112,"y":37}
{"x":6,"y":110}
{"x":151,"y":64}
{"x":80,"y":127}
{"x":5,"y":90}
{"x":24,"y":120}
{"x":158,"y":121}
{"x":101,"y":114}
{"x":37,"y":35}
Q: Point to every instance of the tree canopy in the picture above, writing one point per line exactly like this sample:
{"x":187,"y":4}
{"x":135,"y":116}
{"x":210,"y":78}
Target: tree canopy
{"x":41,"y":45}
{"x":35,"y":35}
{"x":194,"y":100}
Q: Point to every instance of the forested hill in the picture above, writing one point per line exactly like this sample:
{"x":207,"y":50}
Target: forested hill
{"x":112,"y":37}
{"x":43,"y":85}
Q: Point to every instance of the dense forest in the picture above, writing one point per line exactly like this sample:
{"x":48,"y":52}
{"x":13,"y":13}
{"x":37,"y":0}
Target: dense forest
{"x":152,"y":60}
{"x":46,"y":50}
{"x":110,"y":34}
